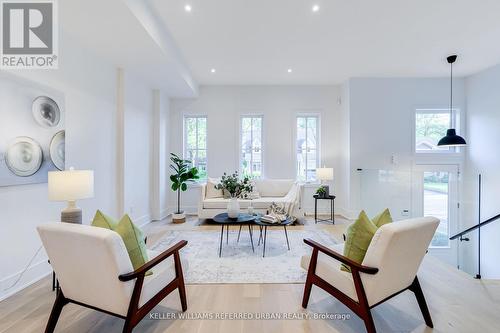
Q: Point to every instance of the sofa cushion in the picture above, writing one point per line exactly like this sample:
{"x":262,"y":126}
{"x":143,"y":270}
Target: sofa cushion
{"x":260,"y":203}
{"x":273,"y":187}
{"x":211,"y":191}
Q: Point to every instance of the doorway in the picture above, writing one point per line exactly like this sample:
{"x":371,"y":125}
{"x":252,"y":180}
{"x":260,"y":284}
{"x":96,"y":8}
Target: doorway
{"x":436,"y":194}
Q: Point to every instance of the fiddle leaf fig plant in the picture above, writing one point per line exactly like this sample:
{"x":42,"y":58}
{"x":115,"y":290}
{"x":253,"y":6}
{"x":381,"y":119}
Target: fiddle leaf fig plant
{"x":183,"y":174}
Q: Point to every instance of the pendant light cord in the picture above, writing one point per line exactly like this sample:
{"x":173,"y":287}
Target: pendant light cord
{"x":451,"y":91}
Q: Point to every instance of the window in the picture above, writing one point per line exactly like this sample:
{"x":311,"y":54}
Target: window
{"x":251,"y":146}
{"x":307,"y":147}
{"x":430,"y":127}
{"x":195,"y":143}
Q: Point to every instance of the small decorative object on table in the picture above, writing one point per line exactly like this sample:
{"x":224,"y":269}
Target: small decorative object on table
{"x":235,"y":186}
{"x":183,"y":174}
{"x":322,"y":191}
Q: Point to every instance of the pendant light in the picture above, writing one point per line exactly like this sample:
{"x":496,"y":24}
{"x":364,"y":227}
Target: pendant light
{"x":451,"y":139}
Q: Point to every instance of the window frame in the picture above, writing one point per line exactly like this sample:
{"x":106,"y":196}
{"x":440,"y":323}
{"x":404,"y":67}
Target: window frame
{"x":184,"y":143}
{"x":240,"y":141}
{"x":454,"y":123}
{"x":306,"y":115}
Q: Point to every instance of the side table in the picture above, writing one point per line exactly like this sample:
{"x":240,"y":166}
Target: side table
{"x":332,"y":208}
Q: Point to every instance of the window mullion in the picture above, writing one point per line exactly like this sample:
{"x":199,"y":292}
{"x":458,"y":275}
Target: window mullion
{"x":251,"y":146}
{"x":307,"y":148}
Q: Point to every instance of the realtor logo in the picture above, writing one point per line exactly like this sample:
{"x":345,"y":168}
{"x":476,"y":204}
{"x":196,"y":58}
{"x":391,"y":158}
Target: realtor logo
{"x":29,"y":34}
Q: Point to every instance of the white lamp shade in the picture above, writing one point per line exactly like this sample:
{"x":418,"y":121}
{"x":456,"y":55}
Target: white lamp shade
{"x":324,"y":173}
{"x":71,"y":185}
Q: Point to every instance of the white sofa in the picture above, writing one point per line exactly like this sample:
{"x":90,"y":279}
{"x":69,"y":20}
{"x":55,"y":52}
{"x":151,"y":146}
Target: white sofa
{"x":281,"y":191}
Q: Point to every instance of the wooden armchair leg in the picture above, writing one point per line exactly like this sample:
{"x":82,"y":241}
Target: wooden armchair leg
{"x":180,"y":278}
{"x":127,"y":327}
{"x":307,"y":293}
{"x":369,"y":323}
{"x":417,"y":290}
{"x":310,"y":276}
{"x":56,"y":311}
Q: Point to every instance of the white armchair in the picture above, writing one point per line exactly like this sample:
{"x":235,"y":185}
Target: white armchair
{"x":94,"y":271}
{"x":389,"y":268}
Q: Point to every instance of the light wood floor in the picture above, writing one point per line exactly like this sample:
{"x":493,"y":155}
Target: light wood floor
{"x":458,"y":303}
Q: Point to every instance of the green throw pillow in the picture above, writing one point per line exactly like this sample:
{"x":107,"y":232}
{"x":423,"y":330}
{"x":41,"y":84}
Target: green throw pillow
{"x":132,"y":236}
{"x":104,"y":221}
{"x":382,"y":218}
{"x":359,"y":237}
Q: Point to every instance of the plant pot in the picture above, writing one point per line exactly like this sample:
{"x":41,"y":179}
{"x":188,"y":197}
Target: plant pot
{"x":233,"y":208}
{"x":179,"y":217}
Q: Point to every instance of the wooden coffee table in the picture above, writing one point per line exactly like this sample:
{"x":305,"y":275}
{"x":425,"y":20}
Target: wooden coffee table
{"x":225,"y":221}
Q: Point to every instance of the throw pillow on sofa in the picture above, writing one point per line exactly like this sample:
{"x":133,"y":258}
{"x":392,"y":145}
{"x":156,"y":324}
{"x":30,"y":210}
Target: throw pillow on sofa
{"x":210,"y":191}
{"x":132,"y":236}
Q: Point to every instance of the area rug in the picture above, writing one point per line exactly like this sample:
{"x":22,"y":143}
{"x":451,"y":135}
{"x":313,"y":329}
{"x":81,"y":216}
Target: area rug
{"x":239,"y":264}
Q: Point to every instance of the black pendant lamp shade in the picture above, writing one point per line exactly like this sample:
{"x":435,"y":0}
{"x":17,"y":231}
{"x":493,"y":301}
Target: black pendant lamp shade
{"x":451,"y":139}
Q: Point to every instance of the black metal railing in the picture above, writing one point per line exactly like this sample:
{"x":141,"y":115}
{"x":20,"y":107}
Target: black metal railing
{"x":478,"y":228}
{"x":482,"y":224}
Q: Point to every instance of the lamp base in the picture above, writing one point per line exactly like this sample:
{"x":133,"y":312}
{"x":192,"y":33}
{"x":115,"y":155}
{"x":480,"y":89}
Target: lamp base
{"x":72,"y":215}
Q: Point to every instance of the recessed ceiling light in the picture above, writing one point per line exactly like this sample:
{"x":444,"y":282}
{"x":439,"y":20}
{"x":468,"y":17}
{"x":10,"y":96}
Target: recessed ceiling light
{"x":315,"y":8}
{"x":212,"y":70}
{"x":289,"y":70}
{"x":187,"y":8}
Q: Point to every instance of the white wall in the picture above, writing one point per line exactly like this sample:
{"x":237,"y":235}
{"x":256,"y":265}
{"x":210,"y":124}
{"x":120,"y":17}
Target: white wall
{"x":89,"y":85}
{"x":279,"y":105}
{"x":89,"y":88}
{"x":381,"y":124}
{"x":483,"y":136}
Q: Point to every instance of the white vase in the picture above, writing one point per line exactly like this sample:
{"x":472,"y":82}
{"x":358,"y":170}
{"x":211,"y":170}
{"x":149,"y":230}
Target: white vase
{"x":233,"y":208}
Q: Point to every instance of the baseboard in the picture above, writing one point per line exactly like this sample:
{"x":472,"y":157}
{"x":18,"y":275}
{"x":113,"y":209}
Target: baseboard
{"x":164,"y":213}
{"x":189,"y":210}
{"x":143,"y":220}
{"x":32,"y":275}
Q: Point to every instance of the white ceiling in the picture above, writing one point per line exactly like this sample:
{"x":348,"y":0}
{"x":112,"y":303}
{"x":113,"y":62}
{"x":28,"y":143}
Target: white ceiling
{"x":123,"y":33}
{"x":256,"y":41}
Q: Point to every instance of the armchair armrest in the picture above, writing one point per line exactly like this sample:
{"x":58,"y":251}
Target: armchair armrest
{"x":337,"y":256}
{"x":152,"y":263}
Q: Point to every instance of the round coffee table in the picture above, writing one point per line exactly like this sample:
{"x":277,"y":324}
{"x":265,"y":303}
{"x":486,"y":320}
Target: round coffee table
{"x":225,"y":221}
{"x":264,"y":225}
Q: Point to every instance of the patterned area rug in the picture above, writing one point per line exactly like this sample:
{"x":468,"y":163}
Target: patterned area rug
{"x":238,"y":263}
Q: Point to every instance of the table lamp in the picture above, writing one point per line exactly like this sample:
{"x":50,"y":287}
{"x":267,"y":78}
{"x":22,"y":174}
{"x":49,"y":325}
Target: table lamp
{"x":71,"y":185}
{"x":324,"y":174}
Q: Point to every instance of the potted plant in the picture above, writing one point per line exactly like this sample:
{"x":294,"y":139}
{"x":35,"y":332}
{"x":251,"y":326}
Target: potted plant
{"x":183,"y":174}
{"x":321,"y":191}
{"x":235,"y":188}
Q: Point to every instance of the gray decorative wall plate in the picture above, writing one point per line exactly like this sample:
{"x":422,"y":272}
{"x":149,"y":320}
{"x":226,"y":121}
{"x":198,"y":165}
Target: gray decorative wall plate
{"x":46,"y":111}
{"x":57,"y":149}
{"x":24,"y":156}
